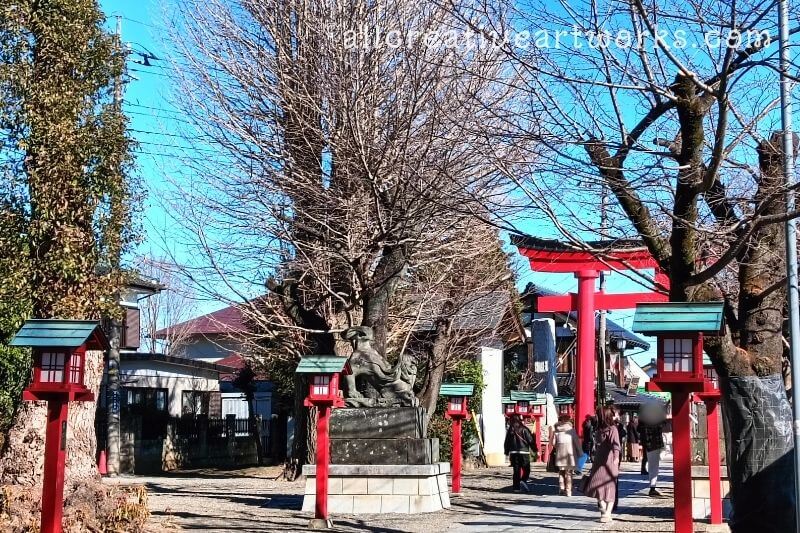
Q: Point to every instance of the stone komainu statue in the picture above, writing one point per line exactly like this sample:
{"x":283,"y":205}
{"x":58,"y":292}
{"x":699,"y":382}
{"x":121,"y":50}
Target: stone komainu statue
{"x":375,"y":383}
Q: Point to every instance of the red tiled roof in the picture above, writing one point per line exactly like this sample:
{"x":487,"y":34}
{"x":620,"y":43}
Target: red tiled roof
{"x":227,"y":320}
{"x":236,"y":361}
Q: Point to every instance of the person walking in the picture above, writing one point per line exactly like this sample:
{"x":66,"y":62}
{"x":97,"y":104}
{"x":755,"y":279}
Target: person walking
{"x":518,"y":444}
{"x":652,"y":439}
{"x":633,"y":439}
{"x":601,"y":483}
{"x":587,"y":435}
{"x":566,"y":446}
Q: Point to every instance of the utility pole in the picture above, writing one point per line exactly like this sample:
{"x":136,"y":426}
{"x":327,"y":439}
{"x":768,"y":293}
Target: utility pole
{"x":601,"y":330}
{"x":791,"y":241}
{"x":113,"y":399}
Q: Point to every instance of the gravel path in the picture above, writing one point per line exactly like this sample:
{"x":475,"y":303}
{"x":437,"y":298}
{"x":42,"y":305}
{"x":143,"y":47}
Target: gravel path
{"x":254,"y":500}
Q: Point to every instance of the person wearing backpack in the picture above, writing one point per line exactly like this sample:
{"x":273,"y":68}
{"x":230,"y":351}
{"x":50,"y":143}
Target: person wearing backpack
{"x":518,"y":444}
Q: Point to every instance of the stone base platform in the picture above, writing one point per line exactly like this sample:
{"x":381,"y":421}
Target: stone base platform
{"x":701,"y":493}
{"x":381,"y":489}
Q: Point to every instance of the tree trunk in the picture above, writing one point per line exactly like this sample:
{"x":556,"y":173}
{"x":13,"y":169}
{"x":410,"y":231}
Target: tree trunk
{"x":23,"y":460}
{"x":438,"y":362}
{"x":759,"y":417}
{"x":387,"y":276}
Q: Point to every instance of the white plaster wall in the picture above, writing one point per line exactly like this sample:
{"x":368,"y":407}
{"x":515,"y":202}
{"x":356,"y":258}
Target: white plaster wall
{"x":492,"y":418}
{"x":175,"y":379}
{"x":209,"y":349}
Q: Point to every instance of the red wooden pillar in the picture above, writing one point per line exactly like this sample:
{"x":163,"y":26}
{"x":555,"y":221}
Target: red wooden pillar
{"x":323,"y":460}
{"x":55,"y":454}
{"x":682,"y":461}
{"x":538,"y":436}
{"x":714,"y":480}
{"x":584,"y":375}
{"x":456,"y":454}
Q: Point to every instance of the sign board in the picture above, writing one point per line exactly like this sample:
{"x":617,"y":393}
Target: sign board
{"x":633,"y":386}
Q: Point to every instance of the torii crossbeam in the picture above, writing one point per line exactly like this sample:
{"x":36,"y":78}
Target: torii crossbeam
{"x":546,"y":255}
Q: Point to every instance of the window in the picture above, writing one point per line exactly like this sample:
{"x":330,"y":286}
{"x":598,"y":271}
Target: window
{"x":76,"y":368}
{"x":146,"y":399}
{"x":195,"y":403}
{"x":322,"y":385}
{"x":53,"y":367}
{"x":678,"y":355}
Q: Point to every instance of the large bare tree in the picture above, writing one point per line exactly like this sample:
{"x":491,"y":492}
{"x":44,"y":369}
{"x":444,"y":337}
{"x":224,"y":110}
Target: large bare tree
{"x":670,"y":107}
{"x":341,"y":166}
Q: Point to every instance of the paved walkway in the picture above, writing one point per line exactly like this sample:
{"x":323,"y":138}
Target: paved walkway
{"x":254,"y":500}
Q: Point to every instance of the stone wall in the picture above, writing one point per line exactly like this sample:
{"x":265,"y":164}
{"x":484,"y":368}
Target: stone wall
{"x":368,"y":489}
{"x":701,"y":493}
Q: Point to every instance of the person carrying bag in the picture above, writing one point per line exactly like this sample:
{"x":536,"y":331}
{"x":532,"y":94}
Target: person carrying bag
{"x":518,"y":444}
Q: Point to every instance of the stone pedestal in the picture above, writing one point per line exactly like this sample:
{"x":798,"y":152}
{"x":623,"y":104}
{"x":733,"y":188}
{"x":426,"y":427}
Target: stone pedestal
{"x":381,"y":462}
{"x":373,"y":489}
{"x":381,"y":436}
{"x":701,"y":493}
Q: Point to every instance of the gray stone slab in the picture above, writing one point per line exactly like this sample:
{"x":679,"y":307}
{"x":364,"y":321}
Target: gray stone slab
{"x":385,"y":451}
{"x":380,"y":470}
{"x":378,"y":423}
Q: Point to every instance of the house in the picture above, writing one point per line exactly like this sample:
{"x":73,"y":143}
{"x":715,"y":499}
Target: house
{"x":155,"y":383}
{"x":214,"y":340}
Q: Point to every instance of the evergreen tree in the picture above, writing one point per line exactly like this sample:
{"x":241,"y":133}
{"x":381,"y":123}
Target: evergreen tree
{"x":66,"y":201}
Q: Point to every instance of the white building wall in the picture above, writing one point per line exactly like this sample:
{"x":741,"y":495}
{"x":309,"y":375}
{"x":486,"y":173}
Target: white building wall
{"x":209,"y":349}
{"x":175,"y":379}
{"x":492,"y":418}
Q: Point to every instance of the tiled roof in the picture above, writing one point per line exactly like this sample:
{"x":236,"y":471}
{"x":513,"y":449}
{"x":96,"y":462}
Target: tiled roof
{"x":526,"y":241}
{"x":237,"y":362}
{"x":228,"y":320}
{"x":483,"y":312}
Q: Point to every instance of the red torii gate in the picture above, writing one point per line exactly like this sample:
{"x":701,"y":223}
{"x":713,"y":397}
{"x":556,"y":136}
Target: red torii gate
{"x":547,"y":255}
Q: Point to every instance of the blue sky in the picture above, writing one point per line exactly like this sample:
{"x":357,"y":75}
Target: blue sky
{"x":154,"y":121}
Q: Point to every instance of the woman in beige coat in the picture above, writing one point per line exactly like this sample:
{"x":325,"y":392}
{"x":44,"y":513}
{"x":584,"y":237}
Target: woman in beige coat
{"x":566,"y":446}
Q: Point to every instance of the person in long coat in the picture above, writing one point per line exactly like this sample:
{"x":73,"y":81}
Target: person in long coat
{"x":601,"y":483}
{"x":567,"y":449}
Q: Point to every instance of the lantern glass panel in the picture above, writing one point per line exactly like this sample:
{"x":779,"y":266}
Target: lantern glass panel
{"x":455,"y":403}
{"x":678,"y":355}
{"x":711,"y":375}
{"x":75,"y":364}
{"x":322,"y":385}
{"x":52,"y":367}
{"x":523,"y":407}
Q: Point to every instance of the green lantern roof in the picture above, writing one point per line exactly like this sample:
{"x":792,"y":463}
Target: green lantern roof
{"x":38,"y":333}
{"x":456,"y":389}
{"x":321,"y":364}
{"x":563,"y":400}
{"x":526,"y":396}
{"x":507,"y":400}
{"x":679,"y":317}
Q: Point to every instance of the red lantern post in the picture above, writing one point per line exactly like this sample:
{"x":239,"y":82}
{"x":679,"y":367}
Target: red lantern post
{"x":59,"y":363}
{"x":457,"y":395}
{"x":711,"y":397}
{"x":323,"y":393}
{"x":680,"y":328}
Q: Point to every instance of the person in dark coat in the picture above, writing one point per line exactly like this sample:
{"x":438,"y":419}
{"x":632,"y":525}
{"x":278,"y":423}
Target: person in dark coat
{"x":587,"y":435}
{"x":518,"y":444}
{"x":652,"y":438}
{"x":601,"y":483}
{"x":633,"y":439}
